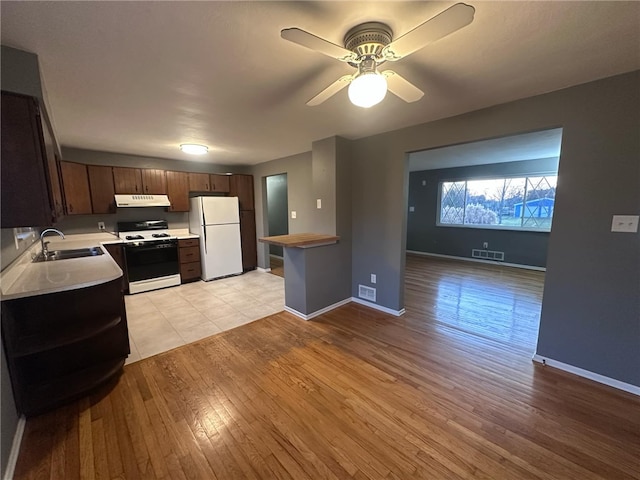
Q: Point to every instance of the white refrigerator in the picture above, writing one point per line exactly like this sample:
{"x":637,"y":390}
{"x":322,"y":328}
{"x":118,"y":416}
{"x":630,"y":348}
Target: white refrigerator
{"x":217,"y":221}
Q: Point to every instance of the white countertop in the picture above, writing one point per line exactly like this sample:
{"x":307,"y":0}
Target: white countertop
{"x":23,"y":278}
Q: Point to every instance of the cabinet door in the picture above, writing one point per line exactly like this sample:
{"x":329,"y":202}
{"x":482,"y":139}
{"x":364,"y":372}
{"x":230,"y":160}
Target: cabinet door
{"x":178,"y":191}
{"x":241,"y":186}
{"x":24,"y":190}
{"x":154,"y":182}
{"x":219,"y":183}
{"x":199,"y":182}
{"x":53,"y":172}
{"x":77,"y":197}
{"x":248,"y":239}
{"x":117,"y":252}
{"x":102,"y":191}
{"x":127,"y":180}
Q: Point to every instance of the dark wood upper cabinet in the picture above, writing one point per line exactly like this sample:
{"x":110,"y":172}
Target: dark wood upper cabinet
{"x":154,"y":181}
{"x":219,"y":183}
{"x":30,"y":185}
{"x":102,"y":190}
{"x":241,"y":186}
{"x":127,"y":180}
{"x":199,"y":182}
{"x":77,"y":197}
{"x":178,"y":191}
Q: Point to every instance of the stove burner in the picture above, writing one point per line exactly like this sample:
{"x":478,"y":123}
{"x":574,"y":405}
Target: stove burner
{"x":160,"y":235}
{"x":134,"y":237}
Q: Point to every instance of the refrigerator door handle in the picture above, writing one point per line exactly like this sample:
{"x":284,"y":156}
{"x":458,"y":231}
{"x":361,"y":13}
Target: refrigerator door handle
{"x":204,"y":227}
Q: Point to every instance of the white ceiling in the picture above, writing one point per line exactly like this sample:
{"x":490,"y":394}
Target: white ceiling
{"x":514,"y":148}
{"x":143,"y":77}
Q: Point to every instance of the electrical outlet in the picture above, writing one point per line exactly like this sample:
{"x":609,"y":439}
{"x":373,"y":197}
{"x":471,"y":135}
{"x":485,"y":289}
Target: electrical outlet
{"x":101,"y":226}
{"x":373,"y":278}
{"x":293,"y":214}
{"x":485,"y":245}
{"x":624,"y":223}
{"x":412,"y":209}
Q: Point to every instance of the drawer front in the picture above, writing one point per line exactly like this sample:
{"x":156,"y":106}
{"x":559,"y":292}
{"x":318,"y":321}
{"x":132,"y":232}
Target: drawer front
{"x":189,"y":254}
{"x":188,"y":242}
{"x":189,"y":271}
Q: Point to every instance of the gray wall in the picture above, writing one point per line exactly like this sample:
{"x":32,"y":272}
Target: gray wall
{"x":20,"y":72}
{"x":277,"y":208}
{"x":423,"y":235}
{"x":591,"y":299}
{"x":318,"y":277}
{"x":298,"y":170}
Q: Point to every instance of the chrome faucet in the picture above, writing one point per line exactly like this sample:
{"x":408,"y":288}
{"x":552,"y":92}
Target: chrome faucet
{"x":45,"y":251}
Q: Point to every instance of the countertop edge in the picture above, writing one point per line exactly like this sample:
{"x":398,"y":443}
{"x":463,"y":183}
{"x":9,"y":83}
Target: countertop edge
{"x":17,"y":269}
{"x":305,"y":240}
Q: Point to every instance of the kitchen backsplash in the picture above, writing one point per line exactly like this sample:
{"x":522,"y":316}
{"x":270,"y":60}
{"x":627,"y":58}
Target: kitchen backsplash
{"x":72,"y":224}
{"x":8,"y":246}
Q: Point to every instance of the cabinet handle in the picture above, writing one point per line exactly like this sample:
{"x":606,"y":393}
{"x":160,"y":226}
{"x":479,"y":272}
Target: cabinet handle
{"x":206,"y":186}
{"x":70,"y":208}
{"x":147,"y":188}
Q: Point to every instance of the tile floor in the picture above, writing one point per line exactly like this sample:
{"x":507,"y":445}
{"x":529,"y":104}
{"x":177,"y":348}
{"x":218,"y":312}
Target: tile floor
{"x":164,"y":319}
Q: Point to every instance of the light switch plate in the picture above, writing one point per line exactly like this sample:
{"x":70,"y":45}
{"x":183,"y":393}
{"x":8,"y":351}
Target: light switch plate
{"x":625,"y":223}
{"x":319,"y":203}
{"x":373,"y":278}
{"x":412,"y":209}
{"x":293,"y":214}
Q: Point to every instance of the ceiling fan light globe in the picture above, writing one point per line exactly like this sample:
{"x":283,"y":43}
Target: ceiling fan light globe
{"x":368,"y":89}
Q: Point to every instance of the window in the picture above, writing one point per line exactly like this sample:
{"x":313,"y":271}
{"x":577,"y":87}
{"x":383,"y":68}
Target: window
{"x":504,"y":203}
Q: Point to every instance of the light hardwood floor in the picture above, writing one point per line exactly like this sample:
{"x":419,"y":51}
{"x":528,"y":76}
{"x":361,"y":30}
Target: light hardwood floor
{"x":354,"y":394}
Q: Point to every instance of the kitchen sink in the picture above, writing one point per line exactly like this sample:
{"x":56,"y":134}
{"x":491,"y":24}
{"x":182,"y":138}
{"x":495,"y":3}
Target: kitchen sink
{"x":73,"y":253}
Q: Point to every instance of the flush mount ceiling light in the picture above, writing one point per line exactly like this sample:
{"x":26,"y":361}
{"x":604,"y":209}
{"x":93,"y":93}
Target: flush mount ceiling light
{"x":194,"y":149}
{"x":368,"y":45}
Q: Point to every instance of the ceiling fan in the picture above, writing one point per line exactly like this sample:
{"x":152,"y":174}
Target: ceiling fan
{"x":368,"y":45}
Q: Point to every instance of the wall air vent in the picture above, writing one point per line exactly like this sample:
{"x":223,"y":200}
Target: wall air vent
{"x":487,"y":254}
{"x":367,"y":293}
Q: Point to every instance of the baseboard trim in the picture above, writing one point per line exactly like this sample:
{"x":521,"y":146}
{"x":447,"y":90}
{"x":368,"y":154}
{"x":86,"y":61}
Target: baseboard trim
{"x":317,"y":312}
{"x":477,"y":260}
{"x":375,"y":306}
{"x":15,"y":449}
{"x":263,"y":270}
{"x":596,"y":377}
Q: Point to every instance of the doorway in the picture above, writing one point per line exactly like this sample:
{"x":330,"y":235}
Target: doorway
{"x":475,"y":210}
{"x":277,"y":218}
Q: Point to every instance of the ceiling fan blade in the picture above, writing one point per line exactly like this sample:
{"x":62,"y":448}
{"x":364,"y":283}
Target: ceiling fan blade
{"x":331,"y":90}
{"x":454,"y":18}
{"x":401,"y":87}
{"x":318,"y":44}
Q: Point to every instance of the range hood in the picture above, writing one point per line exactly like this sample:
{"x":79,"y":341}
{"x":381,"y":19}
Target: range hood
{"x":142,"y":201}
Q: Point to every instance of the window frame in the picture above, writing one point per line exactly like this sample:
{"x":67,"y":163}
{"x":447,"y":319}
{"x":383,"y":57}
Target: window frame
{"x":526,"y":176}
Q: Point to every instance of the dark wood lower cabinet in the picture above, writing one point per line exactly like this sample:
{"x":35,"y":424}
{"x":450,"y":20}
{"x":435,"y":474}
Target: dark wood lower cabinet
{"x":116,"y":250}
{"x":189,"y":255}
{"x":61,"y":346}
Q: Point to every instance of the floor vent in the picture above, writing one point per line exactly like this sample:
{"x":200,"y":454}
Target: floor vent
{"x":367,"y":293}
{"x":487,"y":254}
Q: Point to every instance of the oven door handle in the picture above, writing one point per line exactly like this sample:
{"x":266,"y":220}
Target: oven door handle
{"x":147,"y":249}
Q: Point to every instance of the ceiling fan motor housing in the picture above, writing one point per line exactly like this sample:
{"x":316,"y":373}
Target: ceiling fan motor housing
{"x":367,"y":40}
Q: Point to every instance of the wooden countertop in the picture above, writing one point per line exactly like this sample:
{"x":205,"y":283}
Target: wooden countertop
{"x":301,"y":240}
